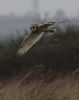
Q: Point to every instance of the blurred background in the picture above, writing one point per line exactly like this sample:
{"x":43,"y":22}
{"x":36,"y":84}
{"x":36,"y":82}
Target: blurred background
{"x":50,"y":69}
{"x":58,"y":53}
{"x":16,"y":16}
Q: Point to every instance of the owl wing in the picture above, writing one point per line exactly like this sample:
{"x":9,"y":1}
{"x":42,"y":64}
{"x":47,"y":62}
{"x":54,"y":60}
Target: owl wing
{"x":47,"y":24}
{"x":28,"y":42}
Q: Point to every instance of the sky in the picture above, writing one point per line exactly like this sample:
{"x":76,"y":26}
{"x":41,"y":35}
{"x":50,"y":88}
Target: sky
{"x":21,"y":7}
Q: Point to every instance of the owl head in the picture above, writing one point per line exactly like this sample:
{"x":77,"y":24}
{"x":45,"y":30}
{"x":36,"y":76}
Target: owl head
{"x":33,"y":27}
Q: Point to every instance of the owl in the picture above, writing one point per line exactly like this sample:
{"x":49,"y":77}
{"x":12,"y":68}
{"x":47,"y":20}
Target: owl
{"x":37,"y":31}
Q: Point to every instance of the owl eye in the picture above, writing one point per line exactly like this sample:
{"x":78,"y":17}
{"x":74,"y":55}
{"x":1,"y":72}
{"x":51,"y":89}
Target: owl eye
{"x":33,"y":27}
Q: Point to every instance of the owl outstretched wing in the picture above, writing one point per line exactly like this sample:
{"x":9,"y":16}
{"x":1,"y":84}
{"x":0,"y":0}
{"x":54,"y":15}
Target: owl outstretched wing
{"x":28,"y":42}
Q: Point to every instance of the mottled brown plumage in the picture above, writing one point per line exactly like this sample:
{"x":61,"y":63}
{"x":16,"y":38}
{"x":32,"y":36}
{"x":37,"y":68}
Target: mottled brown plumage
{"x":37,"y":32}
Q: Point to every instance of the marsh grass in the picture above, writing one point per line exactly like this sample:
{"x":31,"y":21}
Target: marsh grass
{"x":54,"y":77}
{"x":41,"y":88}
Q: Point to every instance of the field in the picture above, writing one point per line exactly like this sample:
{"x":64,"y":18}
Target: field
{"x":49,"y":71}
{"x":43,"y":88}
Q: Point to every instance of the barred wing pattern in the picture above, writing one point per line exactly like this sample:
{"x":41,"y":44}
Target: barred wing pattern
{"x":28,"y":42}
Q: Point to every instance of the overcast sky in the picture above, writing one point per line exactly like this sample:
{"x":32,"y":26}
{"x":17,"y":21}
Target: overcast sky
{"x":20,"y":7}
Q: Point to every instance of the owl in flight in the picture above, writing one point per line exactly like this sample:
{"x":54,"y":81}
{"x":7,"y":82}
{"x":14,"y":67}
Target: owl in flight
{"x":36,"y":34}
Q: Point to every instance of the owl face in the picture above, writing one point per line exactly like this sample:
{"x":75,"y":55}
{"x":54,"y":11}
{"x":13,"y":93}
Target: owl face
{"x":33,"y":27}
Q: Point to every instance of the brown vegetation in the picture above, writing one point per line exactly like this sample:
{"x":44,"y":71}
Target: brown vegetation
{"x":49,"y":71}
{"x":61,"y":88}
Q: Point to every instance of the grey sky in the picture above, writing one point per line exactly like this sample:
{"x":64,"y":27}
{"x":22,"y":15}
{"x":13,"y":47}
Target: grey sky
{"x":71,"y":7}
